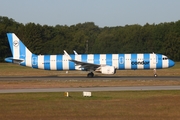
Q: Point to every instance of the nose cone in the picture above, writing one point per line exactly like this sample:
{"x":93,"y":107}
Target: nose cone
{"x":171,"y":63}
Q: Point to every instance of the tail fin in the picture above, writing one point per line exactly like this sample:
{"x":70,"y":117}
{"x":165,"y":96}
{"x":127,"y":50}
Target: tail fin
{"x":18,"y":49}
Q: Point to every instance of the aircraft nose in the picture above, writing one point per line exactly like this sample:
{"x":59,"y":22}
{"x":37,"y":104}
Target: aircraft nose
{"x":171,"y":63}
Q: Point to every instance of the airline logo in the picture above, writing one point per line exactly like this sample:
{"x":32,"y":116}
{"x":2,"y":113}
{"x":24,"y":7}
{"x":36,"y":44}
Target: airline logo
{"x":15,"y":43}
{"x":139,"y":62}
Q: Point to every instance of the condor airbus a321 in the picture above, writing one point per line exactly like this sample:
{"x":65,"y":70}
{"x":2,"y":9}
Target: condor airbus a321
{"x":103,"y":63}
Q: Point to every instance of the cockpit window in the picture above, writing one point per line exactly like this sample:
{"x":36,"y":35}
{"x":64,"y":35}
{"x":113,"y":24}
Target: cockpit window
{"x":165,"y":58}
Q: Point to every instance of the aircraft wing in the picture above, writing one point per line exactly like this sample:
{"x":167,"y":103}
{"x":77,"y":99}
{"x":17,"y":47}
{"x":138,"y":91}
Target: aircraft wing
{"x":85,"y":65}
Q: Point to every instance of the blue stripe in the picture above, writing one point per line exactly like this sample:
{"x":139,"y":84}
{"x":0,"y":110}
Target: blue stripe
{"x":109,"y":59}
{"x":34,"y":61}
{"x":59,"y":65}
{"x":96,"y":58}
{"x":121,"y":61}
{"x":22,"y":51}
{"x":10,"y":41}
{"x":159,"y":60}
{"x":71,"y":64}
{"x":47,"y":62}
{"x":133,"y":61}
{"x":84,"y":58}
{"x":147,"y":58}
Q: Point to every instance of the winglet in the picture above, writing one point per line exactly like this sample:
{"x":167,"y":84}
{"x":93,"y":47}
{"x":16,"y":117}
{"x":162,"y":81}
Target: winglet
{"x":75,"y":52}
{"x":65,"y":53}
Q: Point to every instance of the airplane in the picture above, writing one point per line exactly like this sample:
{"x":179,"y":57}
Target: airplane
{"x":102,"y":63}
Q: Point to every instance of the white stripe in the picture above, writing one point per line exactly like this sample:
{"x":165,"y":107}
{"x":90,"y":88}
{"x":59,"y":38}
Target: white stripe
{"x":165,"y":63}
{"x":65,"y":62}
{"x":78,"y":58}
{"x":115,"y":60}
{"x":28,"y":58}
{"x":90,"y":58}
{"x":41,"y":61}
{"x":152,"y":61}
{"x":53,"y":62}
{"x":28,"y":61}
{"x":140,"y":57}
{"x":16,"y":53}
{"x":102,"y":59}
{"x":127,"y":61}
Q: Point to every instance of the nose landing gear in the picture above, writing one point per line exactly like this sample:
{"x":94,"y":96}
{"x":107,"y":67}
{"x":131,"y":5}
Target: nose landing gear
{"x":155,"y":74}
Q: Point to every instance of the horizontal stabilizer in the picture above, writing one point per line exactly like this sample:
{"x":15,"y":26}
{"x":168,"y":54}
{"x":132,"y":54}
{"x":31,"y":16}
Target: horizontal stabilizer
{"x":11,"y":60}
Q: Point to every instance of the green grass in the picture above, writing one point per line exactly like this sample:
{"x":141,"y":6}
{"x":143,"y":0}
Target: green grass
{"x":176,"y":66}
{"x":133,"y":105}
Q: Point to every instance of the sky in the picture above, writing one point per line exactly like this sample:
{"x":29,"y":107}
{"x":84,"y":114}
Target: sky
{"x":103,"y":13}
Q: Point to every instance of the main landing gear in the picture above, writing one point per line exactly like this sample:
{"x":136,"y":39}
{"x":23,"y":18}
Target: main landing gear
{"x":90,"y":75}
{"x":155,"y":74}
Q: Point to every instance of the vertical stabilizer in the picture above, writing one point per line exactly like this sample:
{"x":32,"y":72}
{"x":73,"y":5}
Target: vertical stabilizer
{"x":18,"y":49}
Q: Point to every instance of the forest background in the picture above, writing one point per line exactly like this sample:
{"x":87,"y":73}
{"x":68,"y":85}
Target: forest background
{"x":89,"y":38}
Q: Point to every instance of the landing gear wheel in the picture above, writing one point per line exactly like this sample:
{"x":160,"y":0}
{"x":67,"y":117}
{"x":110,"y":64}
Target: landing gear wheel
{"x":90,"y":75}
{"x":155,"y":75}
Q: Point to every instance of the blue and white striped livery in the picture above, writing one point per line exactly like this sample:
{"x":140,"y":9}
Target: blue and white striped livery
{"x":103,"y":63}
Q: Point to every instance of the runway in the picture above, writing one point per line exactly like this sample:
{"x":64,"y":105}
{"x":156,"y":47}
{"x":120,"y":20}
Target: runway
{"x":133,"y":88}
{"x":80,"y":89}
{"x":95,"y":78}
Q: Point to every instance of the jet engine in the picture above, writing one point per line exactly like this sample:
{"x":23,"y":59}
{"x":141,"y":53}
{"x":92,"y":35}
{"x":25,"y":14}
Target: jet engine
{"x":108,"y":70}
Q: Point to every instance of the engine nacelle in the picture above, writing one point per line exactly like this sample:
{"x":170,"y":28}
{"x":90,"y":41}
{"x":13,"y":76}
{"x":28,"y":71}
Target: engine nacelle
{"x":108,"y":70}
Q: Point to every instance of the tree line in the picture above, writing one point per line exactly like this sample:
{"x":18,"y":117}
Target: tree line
{"x":87,"y":37}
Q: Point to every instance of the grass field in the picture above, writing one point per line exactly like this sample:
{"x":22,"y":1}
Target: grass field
{"x":129,"y":105}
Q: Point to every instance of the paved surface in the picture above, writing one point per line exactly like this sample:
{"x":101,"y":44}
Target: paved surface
{"x":95,"y":78}
{"x":134,"y":88}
